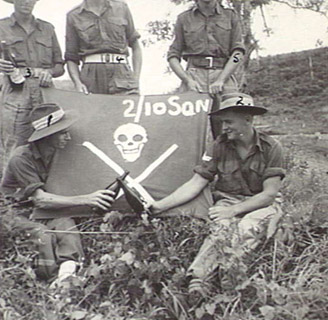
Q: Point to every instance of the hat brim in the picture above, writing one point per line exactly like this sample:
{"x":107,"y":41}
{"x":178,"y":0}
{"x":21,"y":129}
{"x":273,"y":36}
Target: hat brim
{"x":248,"y":109}
{"x":69,"y":119}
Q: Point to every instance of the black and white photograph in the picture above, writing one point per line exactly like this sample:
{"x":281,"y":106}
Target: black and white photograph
{"x":163,"y":160}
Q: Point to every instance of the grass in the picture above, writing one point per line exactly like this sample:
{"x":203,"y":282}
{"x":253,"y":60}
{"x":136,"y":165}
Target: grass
{"x":141,"y":274}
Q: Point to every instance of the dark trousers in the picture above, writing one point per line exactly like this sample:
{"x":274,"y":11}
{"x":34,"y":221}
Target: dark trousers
{"x":53,"y":247}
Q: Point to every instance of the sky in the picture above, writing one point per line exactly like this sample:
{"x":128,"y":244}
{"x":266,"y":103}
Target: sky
{"x":292,"y":30}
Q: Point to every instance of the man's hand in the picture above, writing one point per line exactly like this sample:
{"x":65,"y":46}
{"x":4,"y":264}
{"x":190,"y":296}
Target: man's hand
{"x":101,"y":199}
{"x":45,"y":78}
{"x":80,"y":87}
{"x":193,"y":85}
{"x":216,"y":87}
{"x":153,"y":207}
{"x":220,"y":213}
{"x":6,"y":66}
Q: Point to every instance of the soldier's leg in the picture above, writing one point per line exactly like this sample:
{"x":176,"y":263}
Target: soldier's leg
{"x":123,"y":81}
{"x":222,"y":237}
{"x":95,"y":77}
{"x":68,"y":245}
{"x":45,"y":264}
{"x":253,"y":224}
{"x":15,"y":122}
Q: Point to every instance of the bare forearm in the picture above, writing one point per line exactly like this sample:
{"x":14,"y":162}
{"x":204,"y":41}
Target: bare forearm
{"x":74,"y":72}
{"x":137,"y":60}
{"x":183,"y":194}
{"x":233,"y":63}
{"x":256,"y":202}
{"x":261,"y":200}
{"x":101,"y":199}
{"x":47,"y":200}
{"x":191,"y":84}
{"x":178,"y":70}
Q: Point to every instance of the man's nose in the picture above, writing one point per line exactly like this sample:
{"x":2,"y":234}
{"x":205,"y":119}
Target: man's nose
{"x":68,"y":136}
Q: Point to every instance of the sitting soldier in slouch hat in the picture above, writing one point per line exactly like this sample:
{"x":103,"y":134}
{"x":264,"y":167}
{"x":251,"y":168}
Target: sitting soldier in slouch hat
{"x":248,"y":168}
{"x":25,"y":177}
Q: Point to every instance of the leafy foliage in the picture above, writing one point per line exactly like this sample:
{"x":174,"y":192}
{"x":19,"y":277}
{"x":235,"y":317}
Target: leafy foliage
{"x":135,"y":268}
{"x":139,"y":270}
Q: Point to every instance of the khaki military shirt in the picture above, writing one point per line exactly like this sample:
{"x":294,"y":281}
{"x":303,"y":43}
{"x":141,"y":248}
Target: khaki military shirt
{"x":111,"y":32}
{"x":197,"y":35}
{"x":243,"y":177}
{"x":26,"y":172}
{"x":37,"y":49}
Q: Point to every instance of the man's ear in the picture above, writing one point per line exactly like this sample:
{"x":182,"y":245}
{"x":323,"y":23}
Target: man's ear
{"x":249,"y":118}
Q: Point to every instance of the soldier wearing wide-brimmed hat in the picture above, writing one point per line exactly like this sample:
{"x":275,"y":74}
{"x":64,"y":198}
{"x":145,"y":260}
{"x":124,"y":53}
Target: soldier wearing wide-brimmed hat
{"x":246,"y":167}
{"x":30,"y":56}
{"x":25,"y":179}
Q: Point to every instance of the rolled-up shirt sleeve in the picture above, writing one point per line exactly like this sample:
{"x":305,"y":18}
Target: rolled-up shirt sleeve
{"x":72,"y":42}
{"x":176,"y":48}
{"x":276,"y":163}
{"x":26,"y":176}
{"x":208,"y":168}
{"x":236,"y":35}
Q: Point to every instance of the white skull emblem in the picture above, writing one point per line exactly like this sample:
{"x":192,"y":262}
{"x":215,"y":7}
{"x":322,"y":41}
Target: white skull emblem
{"x":130,"y":139}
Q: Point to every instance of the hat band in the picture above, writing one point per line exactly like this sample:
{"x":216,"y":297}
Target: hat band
{"x":48,"y":120}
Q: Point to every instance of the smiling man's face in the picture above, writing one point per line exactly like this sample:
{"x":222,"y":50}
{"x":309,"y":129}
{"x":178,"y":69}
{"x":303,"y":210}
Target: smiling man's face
{"x":234,"y":124}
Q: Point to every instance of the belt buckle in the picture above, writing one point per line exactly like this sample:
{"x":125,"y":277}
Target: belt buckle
{"x":107,"y":57}
{"x":210,"y":62}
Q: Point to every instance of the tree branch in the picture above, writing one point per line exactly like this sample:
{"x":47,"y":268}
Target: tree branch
{"x":315,"y":6}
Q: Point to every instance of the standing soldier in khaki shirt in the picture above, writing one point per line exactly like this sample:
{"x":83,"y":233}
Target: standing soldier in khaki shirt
{"x":209,"y":38}
{"x":98,"y":33}
{"x":35,"y":54}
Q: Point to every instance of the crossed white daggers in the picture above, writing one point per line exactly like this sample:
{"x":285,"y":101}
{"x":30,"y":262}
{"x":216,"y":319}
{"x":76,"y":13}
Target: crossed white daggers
{"x":134,"y":183}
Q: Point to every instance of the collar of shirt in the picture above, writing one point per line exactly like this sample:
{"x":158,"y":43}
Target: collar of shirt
{"x":217,"y":8}
{"x":85,"y":7}
{"x":35,"y":22}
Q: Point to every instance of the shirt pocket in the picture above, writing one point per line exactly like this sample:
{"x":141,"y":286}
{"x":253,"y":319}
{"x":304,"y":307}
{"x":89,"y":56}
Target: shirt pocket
{"x":17,"y":48}
{"x":229,"y":179}
{"x":194,"y":38}
{"x":89,"y":32}
{"x":116,"y":31}
{"x":222,"y":34}
{"x":44,"y":49}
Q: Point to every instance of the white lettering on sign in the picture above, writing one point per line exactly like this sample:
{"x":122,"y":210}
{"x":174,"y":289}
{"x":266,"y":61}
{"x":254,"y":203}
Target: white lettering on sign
{"x":173,"y":107}
{"x":128,"y":111}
